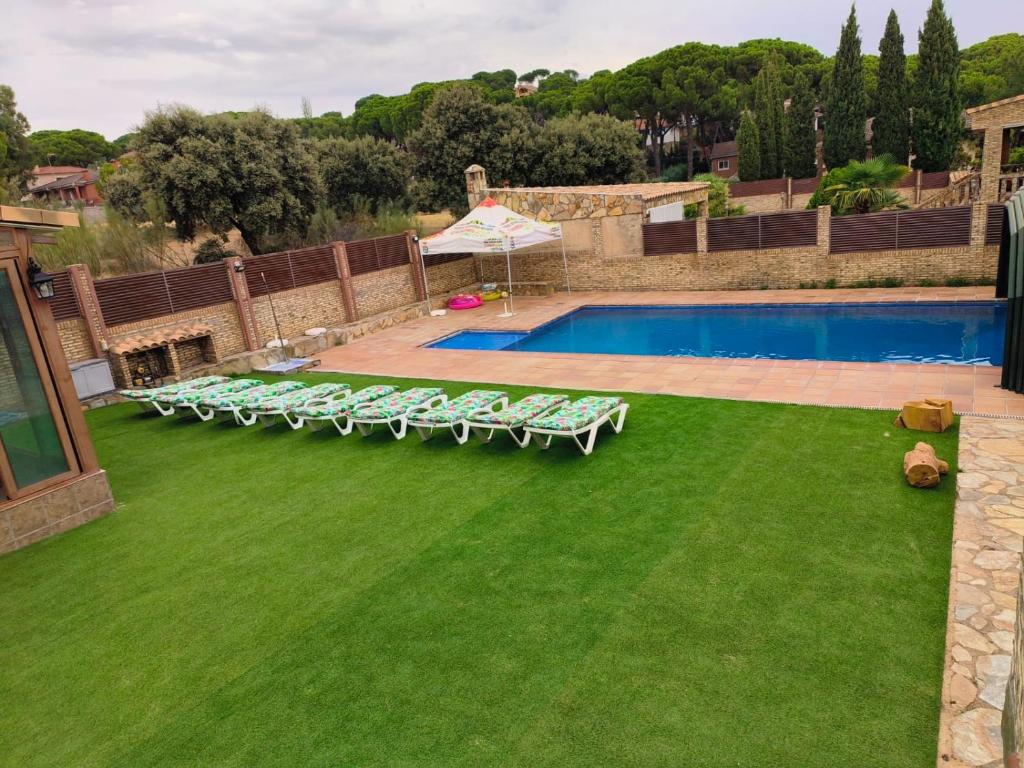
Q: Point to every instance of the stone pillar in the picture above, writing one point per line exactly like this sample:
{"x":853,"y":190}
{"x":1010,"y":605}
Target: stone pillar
{"x":89,"y":304}
{"x":824,"y":229}
{"x":348,"y":299}
{"x":917,"y":186}
{"x":173,"y":361}
{"x":476,"y":185}
{"x":979,"y":223}
{"x":243,"y":304}
{"x":703,"y":209}
{"x":991,"y":159}
{"x":789,"y":193}
{"x":702,"y":234}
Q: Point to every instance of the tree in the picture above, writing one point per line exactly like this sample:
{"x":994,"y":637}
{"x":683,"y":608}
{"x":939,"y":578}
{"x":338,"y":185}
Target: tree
{"x":74,"y":147}
{"x":937,"y":109}
{"x":768,"y":116}
{"x":862,"y":187}
{"x":748,"y":145}
{"x":15,"y":151}
{"x":365,"y":168}
{"x":251,"y":172}
{"x":719,"y":203}
{"x":891,"y":126}
{"x":460,"y":127}
{"x":588,"y":149}
{"x":845,"y":105}
{"x":123,"y":191}
{"x":992,"y":70}
{"x":799,"y":137}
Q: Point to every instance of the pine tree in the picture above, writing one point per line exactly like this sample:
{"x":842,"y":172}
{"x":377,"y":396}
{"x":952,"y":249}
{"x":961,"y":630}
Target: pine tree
{"x":799,"y":138}
{"x":846,"y":105}
{"x":937,"y":125}
{"x":748,"y":146}
{"x":768,"y":117}
{"x":891,"y":126}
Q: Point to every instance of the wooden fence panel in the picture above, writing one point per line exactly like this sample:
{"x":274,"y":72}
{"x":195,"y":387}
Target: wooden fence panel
{"x":275,"y":267}
{"x":790,"y":229}
{"x":64,"y":303}
{"x":379,"y":253}
{"x":761,"y":187}
{"x":934,"y":228}
{"x":434,"y":259}
{"x":670,"y":237}
{"x":734,"y":233}
{"x":313,"y":265}
{"x":133,"y":297}
{"x":865,"y":232}
{"x":994,"y":224}
{"x":200,"y":286}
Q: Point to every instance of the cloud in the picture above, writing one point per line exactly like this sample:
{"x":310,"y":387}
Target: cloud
{"x":100,"y":64}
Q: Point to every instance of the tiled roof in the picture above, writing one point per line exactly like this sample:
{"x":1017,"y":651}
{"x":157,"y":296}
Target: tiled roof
{"x":69,"y":182}
{"x":158,"y":337}
{"x":723,"y":149}
{"x":59,"y":170}
{"x":646,"y":191}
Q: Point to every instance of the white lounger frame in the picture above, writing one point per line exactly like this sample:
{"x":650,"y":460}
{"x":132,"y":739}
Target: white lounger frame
{"x":397,"y":424}
{"x":460,"y":429}
{"x":485,"y":430}
{"x":590,"y":430}
{"x":269,"y":418}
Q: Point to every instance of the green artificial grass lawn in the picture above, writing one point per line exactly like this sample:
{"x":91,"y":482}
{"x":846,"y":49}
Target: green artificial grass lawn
{"x":723,"y":584}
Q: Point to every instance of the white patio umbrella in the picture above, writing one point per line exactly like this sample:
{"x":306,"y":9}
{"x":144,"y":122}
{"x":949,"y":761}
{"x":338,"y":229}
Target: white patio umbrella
{"x":493,"y":228}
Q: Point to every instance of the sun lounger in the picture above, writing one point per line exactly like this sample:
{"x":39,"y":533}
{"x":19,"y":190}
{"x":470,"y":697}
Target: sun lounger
{"x":336,"y":410}
{"x":149,"y":399}
{"x":239,"y":405}
{"x":187,"y":402}
{"x":453,"y":414}
{"x":268,"y":409}
{"x":583,"y":417}
{"x":393,"y":409}
{"x":513,"y":418}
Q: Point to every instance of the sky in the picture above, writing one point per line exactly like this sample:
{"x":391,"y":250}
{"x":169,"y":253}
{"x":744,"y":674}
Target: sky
{"x":100,"y":65}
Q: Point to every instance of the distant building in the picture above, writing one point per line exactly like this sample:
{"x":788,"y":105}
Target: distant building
{"x":524,"y":89}
{"x":65,"y":184}
{"x":724,"y":159}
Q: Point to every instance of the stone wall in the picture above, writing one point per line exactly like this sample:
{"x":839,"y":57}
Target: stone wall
{"x":747,"y":269}
{"x":452,"y":276}
{"x":223,"y":318}
{"x":377,"y":292}
{"x":35,"y":517}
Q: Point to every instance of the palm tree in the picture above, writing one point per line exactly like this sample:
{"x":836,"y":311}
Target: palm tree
{"x":865,"y":186}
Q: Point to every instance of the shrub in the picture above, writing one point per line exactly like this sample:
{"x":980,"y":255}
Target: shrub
{"x":211,"y":251}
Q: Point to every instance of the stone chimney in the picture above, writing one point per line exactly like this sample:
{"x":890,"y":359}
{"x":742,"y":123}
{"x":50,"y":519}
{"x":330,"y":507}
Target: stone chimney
{"x":476,"y":185}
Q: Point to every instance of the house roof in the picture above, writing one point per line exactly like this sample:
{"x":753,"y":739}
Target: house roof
{"x":59,"y":170}
{"x":158,"y":337}
{"x":649,"y":191}
{"x":723,"y":149}
{"x":991,"y":105}
{"x":68,"y":182}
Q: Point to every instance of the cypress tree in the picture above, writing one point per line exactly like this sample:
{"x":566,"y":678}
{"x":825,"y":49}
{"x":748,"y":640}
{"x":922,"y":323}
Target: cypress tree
{"x":937,"y":125}
{"x":891,"y":127}
{"x":768,"y":117}
{"x":846,"y":105}
{"x":748,"y":146}
{"x":800,"y":140}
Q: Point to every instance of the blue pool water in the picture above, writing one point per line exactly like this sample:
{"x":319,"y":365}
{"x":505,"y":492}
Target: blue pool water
{"x":961,"y":333}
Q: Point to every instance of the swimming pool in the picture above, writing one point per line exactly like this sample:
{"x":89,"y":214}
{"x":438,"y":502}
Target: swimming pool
{"x":954,"y":333}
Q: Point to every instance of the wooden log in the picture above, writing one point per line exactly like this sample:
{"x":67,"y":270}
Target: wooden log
{"x":932,"y":414}
{"x":922,"y":467}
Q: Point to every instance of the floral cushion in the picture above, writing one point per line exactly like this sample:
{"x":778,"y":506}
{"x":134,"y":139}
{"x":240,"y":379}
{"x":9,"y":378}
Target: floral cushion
{"x":250,"y":397}
{"x":396,"y":405}
{"x":171,"y":389}
{"x":521,"y":412}
{"x":584,"y":411}
{"x":298,"y":398}
{"x":191,"y":396}
{"x":331,"y":408}
{"x":458,"y":409}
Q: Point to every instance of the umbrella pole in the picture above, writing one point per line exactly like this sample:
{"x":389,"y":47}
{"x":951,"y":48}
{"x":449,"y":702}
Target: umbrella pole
{"x":511,"y":302}
{"x":565,"y":263}
{"x":426,"y":285}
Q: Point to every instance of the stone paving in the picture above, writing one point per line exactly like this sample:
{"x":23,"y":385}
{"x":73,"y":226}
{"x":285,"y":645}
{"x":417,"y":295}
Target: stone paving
{"x":984,"y":579}
{"x":399,"y":351}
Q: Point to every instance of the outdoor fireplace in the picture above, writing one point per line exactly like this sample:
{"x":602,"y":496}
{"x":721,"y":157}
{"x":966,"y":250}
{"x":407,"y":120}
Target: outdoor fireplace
{"x":139,"y":359}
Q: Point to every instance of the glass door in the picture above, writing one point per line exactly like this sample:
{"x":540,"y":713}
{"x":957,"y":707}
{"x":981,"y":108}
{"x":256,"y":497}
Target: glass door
{"x":35,"y":450}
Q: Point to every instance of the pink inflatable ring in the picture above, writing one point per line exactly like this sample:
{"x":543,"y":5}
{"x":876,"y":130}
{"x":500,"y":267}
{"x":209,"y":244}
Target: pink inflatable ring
{"x":464,"y":301}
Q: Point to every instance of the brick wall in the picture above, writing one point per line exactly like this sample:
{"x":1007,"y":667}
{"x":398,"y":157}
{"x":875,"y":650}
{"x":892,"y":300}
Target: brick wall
{"x":445,"y":278}
{"x":731,"y":270}
{"x":223,"y":318}
{"x":74,"y":339}
{"x":377,"y":292}
{"x":311,"y":306}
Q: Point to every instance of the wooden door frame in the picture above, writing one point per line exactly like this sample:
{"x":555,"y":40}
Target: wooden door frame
{"x":58,"y":386}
